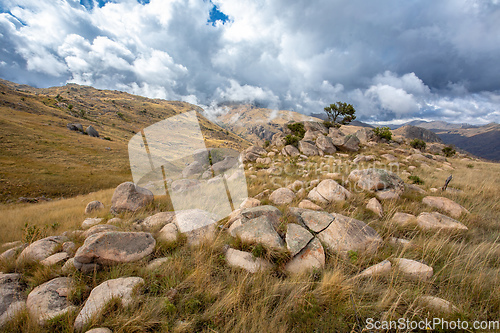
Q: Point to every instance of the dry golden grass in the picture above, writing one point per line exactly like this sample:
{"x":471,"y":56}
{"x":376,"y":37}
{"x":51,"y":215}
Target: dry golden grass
{"x":212,"y":297}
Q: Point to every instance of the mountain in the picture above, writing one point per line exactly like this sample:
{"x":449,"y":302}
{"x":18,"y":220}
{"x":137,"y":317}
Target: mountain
{"x":357,"y":123}
{"x":414,"y":132}
{"x":482,"y":141}
{"x":41,"y":156}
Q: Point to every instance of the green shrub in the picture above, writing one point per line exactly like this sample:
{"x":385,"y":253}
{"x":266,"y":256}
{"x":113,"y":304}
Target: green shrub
{"x":267,"y":143}
{"x":418,"y":144}
{"x":416,"y":180}
{"x":292,"y":140}
{"x":297,"y":129}
{"x":470,"y":166}
{"x":383,"y":133}
{"x":448,"y":151}
{"x":329,"y":124}
{"x":120,"y":115}
{"x":70,"y":106}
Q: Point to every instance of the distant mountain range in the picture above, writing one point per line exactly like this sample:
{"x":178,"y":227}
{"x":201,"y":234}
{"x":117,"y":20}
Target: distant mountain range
{"x":482,"y":141}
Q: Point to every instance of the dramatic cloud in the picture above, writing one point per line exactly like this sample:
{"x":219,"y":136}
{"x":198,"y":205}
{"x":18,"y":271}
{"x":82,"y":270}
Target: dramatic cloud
{"x":393,"y":60}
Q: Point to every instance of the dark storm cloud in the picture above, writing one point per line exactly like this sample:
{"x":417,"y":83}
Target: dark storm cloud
{"x":392,"y":59}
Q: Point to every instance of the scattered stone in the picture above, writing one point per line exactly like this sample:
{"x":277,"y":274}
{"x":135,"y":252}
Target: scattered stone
{"x":155,"y":264}
{"x":296,"y":185}
{"x":246,"y":260}
{"x":362,"y":158}
{"x":311,"y":135}
{"x":69,"y":266}
{"x":445,"y":204}
{"x":260,"y":230}
{"x":41,"y":249}
{"x":121,"y":288}
{"x":375,"y":179}
{"x":12,"y":297}
{"x":347,"y":234}
{"x":249,"y":203}
{"x":296,"y":238}
{"x":252,"y":153}
{"x":306,"y":204}
{"x":265,"y":160}
{"x":108,"y":248}
{"x":278,"y":140}
{"x":433,"y":190}
{"x":403,"y":219}
{"x":77,"y":127}
{"x":348,"y":143}
{"x":99,"y":228}
{"x":54,"y":259}
{"x":93,"y":206}
{"x":383,"y":267}
{"x":414,"y":188}
{"x":12,"y":253}
{"x":169,"y":233}
{"x":387,"y":194}
{"x":437,"y":304}
{"x":49,"y":300}
{"x":196,"y":224}
{"x":413,"y":269}
{"x":282,"y":196}
{"x":437,"y":221}
{"x":308,"y":148}
{"x":129,"y":197}
{"x":100,"y":330}
{"x":333,"y":175}
{"x":157,"y":221}
{"x":290,"y":150}
{"x":325,"y":144}
{"x":195,"y":168}
{"x":91,"y":131}
{"x":328,"y":190}
{"x":311,"y":257}
{"x":314,"y":220}
{"x":375,"y":206}
{"x":365,"y":135}
{"x":89,"y":222}
{"x":244,"y":215}
{"x":115,"y":220}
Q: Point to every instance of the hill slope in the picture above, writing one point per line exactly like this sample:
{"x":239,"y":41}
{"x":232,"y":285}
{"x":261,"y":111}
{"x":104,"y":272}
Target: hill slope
{"x":41,"y":157}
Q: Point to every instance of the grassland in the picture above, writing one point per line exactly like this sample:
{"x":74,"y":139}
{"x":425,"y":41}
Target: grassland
{"x":196,"y":291}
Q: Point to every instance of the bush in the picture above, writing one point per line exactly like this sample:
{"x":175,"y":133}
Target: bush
{"x":448,"y":151}
{"x":292,"y":140}
{"x":267,"y":143}
{"x":418,"y":144}
{"x":329,"y":124}
{"x":297,"y":129}
{"x":383,"y":133}
{"x":416,"y":180}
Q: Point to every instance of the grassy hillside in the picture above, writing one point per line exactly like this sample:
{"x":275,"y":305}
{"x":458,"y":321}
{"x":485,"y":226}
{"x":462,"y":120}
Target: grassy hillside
{"x":41,"y":157}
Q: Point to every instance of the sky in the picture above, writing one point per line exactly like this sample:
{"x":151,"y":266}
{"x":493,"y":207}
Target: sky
{"x":393,"y":60}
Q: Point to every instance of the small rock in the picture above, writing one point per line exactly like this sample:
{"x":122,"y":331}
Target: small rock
{"x":311,"y":257}
{"x":260,"y":230}
{"x":168,"y":233}
{"x":99,"y":228}
{"x":413,"y":269}
{"x":383,"y":267}
{"x":41,"y":249}
{"x":121,"y":288}
{"x":69,"y":266}
{"x":375,"y":179}
{"x":130,"y":197}
{"x":290,"y":151}
{"x":437,"y":221}
{"x":333,"y":175}
{"x":387,"y":195}
{"x":69,"y":248}
{"x":90,"y":222}
{"x":445,"y":204}
{"x":437,"y":304}
{"x":308,"y":148}
{"x":246,"y":260}
{"x":306,"y":204}
{"x":399,"y":241}
{"x":403,"y":219}
{"x":115,"y":220}
{"x":325,"y":144}
{"x":45,"y":301}
{"x":155,"y":264}
{"x":249,"y":203}
{"x":54,"y":259}
{"x":328,"y":190}
{"x":12,"y":253}
{"x":91,"y":131}
{"x":347,"y":234}
{"x":296,"y":185}
{"x":282,"y":196}
{"x":108,"y":248}
{"x":12,"y":297}
{"x":375,"y":206}
{"x":93,"y":206}
{"x":157,"y":221}
{"x":296,"y":238}
{"x":100,"y":330}
{"x":314,"y":220}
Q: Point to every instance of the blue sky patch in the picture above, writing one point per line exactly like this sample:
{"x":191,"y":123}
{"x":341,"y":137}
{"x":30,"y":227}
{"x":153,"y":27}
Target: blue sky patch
{"x":217,"y":15}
